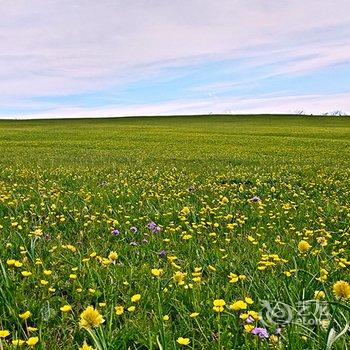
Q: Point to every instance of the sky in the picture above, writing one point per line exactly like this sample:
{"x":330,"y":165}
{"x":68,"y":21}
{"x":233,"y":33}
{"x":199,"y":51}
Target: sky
{"x":88,"y":58}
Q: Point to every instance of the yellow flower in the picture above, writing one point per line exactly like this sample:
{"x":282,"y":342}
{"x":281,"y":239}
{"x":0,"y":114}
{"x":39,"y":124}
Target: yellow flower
{"x":157,"y":272}
{"x":32,"y":341}
{"x":131,"y":308}
{"x":32,"y":329}
{"x":135,"y":298}
{"x":166,"y":318}
{"x":86,"y":347}
{"x":248,"y":300}
{"x":66,"y":308}
{"x":4,"y":333}
{"x":233,"y":277}
{"x":219,"y":305}
{"x":238,"y":305}
{"x":183,"y":341}
{"x":18,"y":342}
{"x":194,"y":314}
{"x":113,"y":256}
{"x":25,"y":315}
{"x":319,"y":294}
{"x":304,"y":246}
{"x":178,"y":277}
{"x":90,"y":318}
{"x":26,"y":273}
{"x":341,"y":289}
{"x":248,"y":328}
{"x":119,"y":310}
{"x":185,"y":210}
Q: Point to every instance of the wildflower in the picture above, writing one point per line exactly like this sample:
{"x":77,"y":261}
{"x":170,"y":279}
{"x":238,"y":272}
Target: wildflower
{"x":26,"y":273}
{"x":119,"y":310}
{"x":323,"y":276}
{"x":319,"y":294}
{"x":248,"y":328}
{"x":17,"y":342}
{"x":166,"y":318}
{"x":157,"y":272}
{"x":66,"y":308}
{"x":115,"y":232}
{"x":113,"y":256}
{"x":135,"y":298}
{"x":255,"y":199}
{"x":183,"y":341}
{"x":32,"y":341}
{"x":341,"y":289}
{"x":219,"y":305}
{"x":178,"y":277}
{"x":86,"y":347}
{"x":131,"y":308}
{"x":133,"y":229}
{"x":25,"y":315}
{"x":4,"y":333}
{"x":194,"y":314}
{"x":248,"y":300}
{"x":153,"y":227}
{"x":90,"y":318}
{"x":233,"y":278}
{"x":32,"y":329}
{"x":185,"y":211}
{"x":162,"y":253}
{"x":238,"y":305}
{"x":261,"y":332}
{"x":304,"y":246}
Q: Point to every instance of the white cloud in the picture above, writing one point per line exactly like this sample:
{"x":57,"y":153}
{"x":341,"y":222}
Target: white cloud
{"x":60,"y":47}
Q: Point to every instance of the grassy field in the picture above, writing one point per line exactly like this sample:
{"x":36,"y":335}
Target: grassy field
{"x":206,"y":232}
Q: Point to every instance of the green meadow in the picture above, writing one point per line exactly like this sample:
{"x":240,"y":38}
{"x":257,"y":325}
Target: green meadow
{"x":198,"y":232}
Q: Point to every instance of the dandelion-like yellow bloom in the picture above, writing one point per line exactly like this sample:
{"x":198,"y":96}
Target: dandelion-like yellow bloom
{"x":90,"y":318}
{"x":157,"y":272}
{"x":304,"y":246}
{"x":66,"y":308}
{"x":183,"y":341}
{"x":238,"y":305}
{"x":4,"y":333}
{"x":119,"y":310}
{"x":219,"y":305}
{"x":25,"y":315}
{"x":113,"y":256}
{"x":32,"y":341}
{"x":178,"y":277}
{"x":86,"y":347}
{"x":319,"y":294}
{"x":135,"y":298}
{"x":341,"y":289}
{"x":18,"y":342}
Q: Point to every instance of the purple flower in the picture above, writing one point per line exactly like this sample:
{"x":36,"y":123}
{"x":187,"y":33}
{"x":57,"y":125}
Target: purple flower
{"x":133,"y":229}
{"x":153,"y":227}
{"x":144,"y":241}
{"x":162,"y":253}
{"x":250,"y":319}
{"x":261,"y":332}
{"x":115,"y":232}
{"x":278,"y":331}
{"x":255,"y":199}
{"x":134,"y":244}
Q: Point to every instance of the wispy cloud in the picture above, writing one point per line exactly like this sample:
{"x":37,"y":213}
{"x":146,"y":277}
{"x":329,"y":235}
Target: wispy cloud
{"x":60,"y":48}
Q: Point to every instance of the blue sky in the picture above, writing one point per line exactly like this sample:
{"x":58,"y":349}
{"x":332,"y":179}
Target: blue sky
{"x":114,"y":58}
